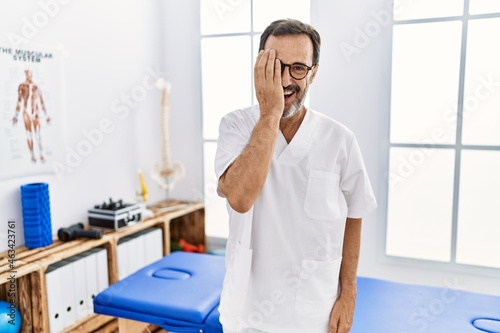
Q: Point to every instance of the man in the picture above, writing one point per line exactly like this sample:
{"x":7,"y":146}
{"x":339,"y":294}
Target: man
{"x":297,"y":188}
{"x":30,"y":100}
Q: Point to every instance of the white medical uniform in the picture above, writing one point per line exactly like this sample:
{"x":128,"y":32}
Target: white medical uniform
{"x":298,"y":222}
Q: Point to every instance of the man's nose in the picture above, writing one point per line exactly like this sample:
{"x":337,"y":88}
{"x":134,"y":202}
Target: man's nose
{"x":286,"y":79}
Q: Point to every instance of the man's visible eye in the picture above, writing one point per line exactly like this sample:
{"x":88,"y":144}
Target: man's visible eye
{"x":299,"y":68}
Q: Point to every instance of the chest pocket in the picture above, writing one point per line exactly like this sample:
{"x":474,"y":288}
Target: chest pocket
{"x":322,"y":195}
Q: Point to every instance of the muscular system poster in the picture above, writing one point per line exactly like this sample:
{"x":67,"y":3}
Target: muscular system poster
{"x":30,"y":111}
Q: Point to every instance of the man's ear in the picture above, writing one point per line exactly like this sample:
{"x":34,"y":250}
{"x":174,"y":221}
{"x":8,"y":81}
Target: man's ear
{"x":314,"y":71}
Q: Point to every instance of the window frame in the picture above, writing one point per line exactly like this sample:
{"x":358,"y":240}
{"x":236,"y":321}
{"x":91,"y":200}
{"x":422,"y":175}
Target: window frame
{"x":253,"y":34}
{"x":458,"y":147}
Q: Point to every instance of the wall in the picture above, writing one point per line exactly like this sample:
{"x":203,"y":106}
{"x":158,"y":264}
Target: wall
{"x":112,"y":52}
{"x":180,"y":26}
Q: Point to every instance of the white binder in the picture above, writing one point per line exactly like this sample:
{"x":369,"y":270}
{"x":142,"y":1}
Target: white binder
{"x":122,"y":254}
{"x":102,"y":269}
{"x":81,"y":307}
{"x":92,"y":288}
{"x":141,"y":251}
{"x":153,"y":244}
{"x":134,"y":261}
{"x":54,"y":298}
{"x":68,"y":292}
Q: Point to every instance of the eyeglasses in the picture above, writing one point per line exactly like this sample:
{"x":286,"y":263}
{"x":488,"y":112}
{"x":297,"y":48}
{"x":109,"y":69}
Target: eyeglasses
{"x":297,"y":70}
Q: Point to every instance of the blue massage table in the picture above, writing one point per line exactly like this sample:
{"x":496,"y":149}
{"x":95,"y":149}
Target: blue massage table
{"x":180,"y":293}
{"x":390,"y":307}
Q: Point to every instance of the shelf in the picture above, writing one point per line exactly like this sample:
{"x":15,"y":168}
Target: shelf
{"x":177,"y":220}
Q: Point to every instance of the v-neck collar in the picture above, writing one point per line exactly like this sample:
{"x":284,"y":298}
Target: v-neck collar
{"x":295,"y":150}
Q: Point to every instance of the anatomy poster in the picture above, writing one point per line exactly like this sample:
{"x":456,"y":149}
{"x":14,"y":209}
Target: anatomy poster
{"x":30,"y":111}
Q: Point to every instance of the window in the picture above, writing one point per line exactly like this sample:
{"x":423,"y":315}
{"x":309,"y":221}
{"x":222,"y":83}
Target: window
{"x":444,"y":150}
{"x":230,"y":32}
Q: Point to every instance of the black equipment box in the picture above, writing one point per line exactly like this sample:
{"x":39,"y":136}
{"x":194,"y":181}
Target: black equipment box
{"x":115,"y":214}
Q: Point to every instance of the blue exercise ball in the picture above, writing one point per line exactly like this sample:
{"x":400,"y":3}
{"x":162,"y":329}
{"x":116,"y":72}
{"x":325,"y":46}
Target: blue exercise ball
{"x":10,"y":318}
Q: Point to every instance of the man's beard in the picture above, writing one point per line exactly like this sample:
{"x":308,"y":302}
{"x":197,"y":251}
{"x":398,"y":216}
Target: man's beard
{"x":298,"y":104}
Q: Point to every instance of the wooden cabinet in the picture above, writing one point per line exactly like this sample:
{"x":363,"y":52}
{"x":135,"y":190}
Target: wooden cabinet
{"x":176,"y":219}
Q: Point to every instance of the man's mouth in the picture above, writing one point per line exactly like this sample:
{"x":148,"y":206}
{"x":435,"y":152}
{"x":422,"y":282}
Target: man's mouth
{"x":289,"y":92}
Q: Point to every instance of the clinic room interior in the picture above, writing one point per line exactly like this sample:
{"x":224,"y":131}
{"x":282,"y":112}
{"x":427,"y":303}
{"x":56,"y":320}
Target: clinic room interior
{"x":133,"y":95}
